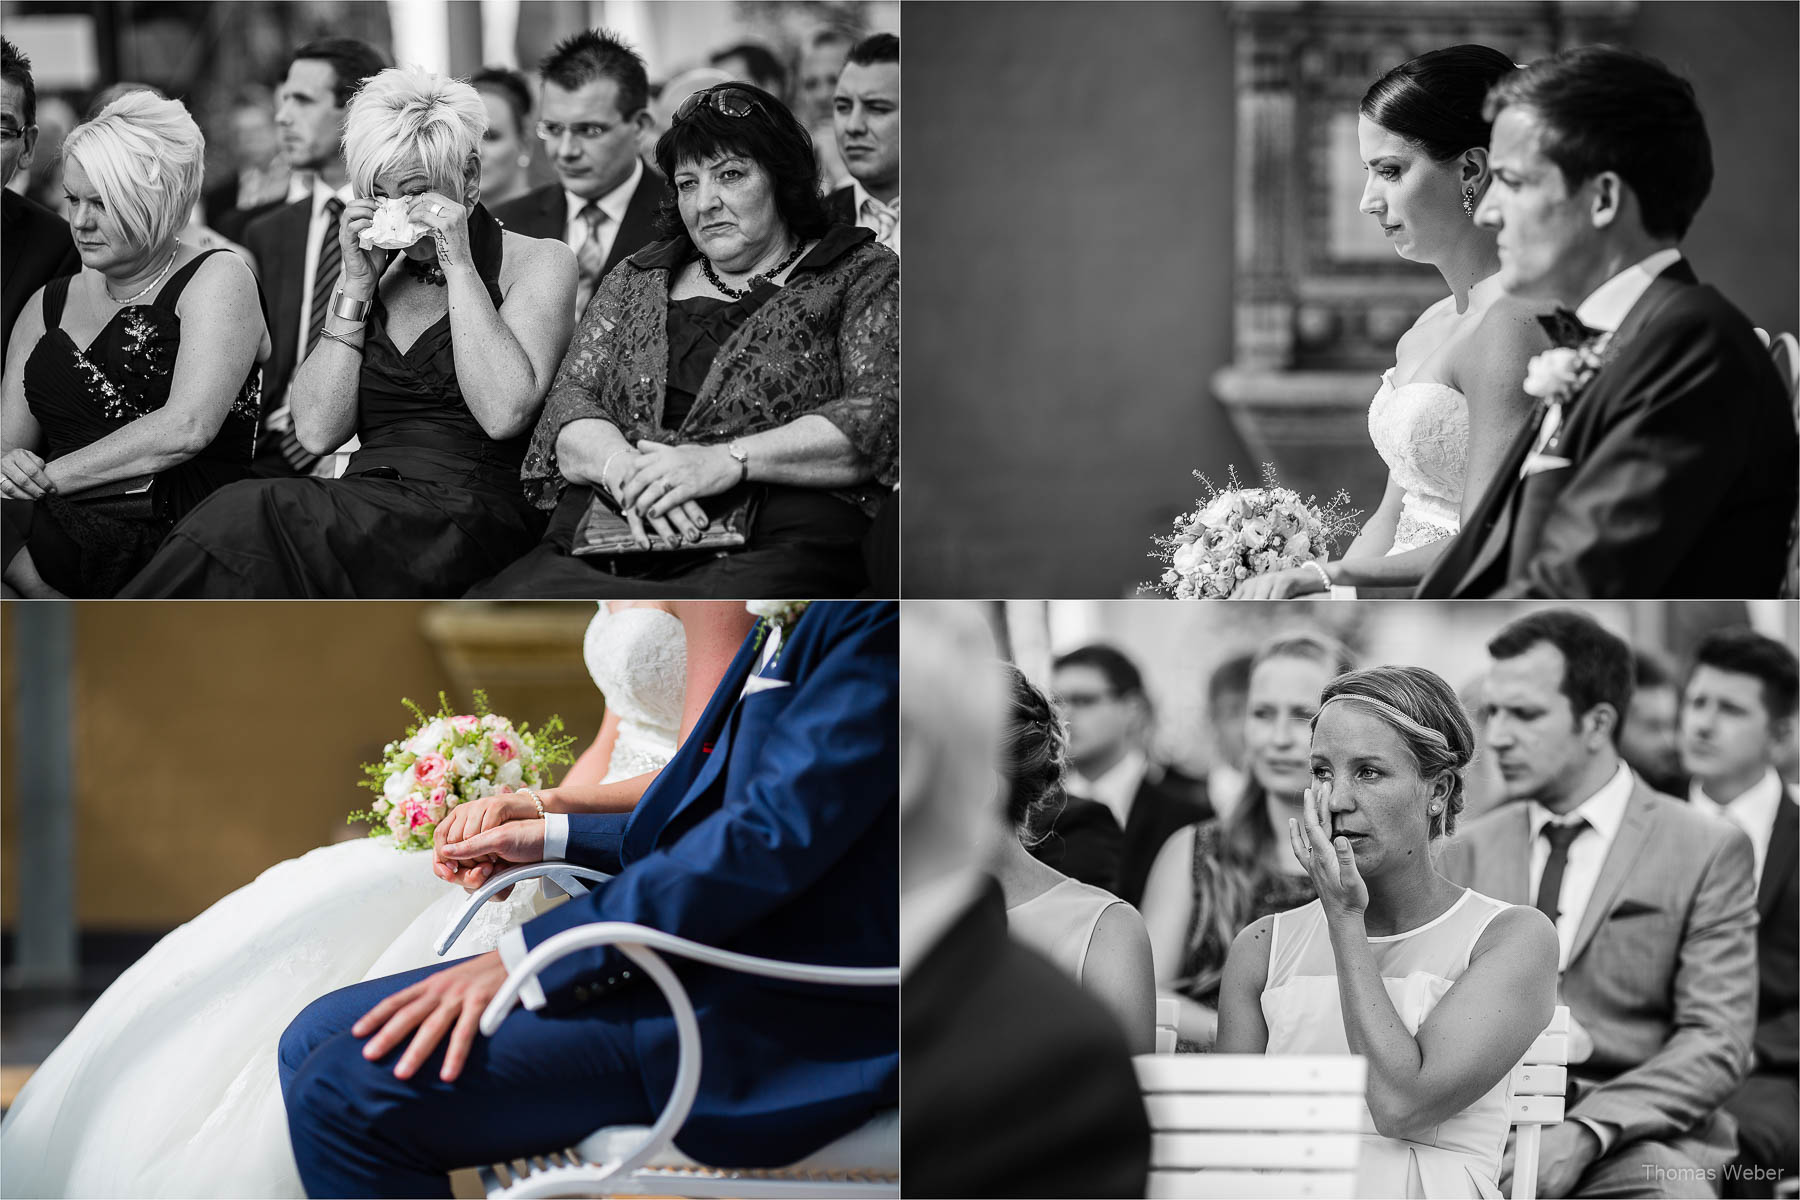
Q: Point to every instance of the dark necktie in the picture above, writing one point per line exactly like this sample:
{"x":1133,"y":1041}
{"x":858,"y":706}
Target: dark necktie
{"x":1565,"y":329}
{"x":590,"y":260}
{"x":325,"y":277}
{"x":1549,"y":893}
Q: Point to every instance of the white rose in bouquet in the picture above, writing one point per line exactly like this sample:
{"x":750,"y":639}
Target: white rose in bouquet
{"x":398,"y":785}
{"x":511,"y":774}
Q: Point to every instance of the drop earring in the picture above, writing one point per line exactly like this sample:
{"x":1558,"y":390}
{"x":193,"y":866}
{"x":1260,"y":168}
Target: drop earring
{"x":1468,"y":201}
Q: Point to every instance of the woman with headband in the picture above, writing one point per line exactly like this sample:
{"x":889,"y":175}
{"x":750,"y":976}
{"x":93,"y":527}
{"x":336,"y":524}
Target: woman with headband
{"x":1439,"y":988}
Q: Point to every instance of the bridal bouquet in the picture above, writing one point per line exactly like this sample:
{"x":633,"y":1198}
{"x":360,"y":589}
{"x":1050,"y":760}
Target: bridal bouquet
{"x":446,"y":759}
{"x":1237,"y":532}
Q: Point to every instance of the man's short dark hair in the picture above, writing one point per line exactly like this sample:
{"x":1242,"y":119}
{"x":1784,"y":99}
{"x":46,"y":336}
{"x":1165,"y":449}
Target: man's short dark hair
{"x":1597,"y":666}
{"x":1746,"y":652}
{"x":1232,"y":675}
{"x":1650,"y":671}
{"x":764,"y":67}
{"x":1121,"y":673}
{"x":592,"y":54}
{"x":1602,"y":108}
{"x":509,"y":85}
{"x":15,"y":69}
{"x":876,"y":48}
{"x":351,"y":59}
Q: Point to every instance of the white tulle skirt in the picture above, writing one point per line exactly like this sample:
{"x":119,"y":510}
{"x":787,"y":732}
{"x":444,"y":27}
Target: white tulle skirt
{"x":169,"y":1085}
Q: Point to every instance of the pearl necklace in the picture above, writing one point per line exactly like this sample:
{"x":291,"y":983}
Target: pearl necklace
{"x":134,"y":298}
{"x":750,"y":284}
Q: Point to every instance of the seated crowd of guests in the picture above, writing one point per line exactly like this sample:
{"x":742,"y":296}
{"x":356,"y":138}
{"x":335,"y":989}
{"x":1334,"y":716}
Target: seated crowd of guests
{"x":417,"y":376}
{"x":1667,"y":922}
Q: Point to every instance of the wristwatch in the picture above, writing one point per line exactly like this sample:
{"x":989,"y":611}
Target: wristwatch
{"x":742,"y":458}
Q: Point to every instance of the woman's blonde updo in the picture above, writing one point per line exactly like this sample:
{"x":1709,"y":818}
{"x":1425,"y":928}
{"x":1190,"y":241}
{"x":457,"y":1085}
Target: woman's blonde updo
{"x":145,"y":157}
{"x":404,"y":112}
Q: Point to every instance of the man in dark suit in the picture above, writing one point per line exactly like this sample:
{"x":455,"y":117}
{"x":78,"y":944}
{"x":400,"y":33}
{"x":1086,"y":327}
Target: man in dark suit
{"x":38,"y":244}
{"x":866,"y":122}
{"x":1018,"y":1082}
{"x":1737,"y":713}
{"x":1663,"y":462}
{"x":1655,"y":912}
{"x":1103,"y":699}
{"x":771,"y":833}
{"x":295,"y":247}
{"x":604,"y":203}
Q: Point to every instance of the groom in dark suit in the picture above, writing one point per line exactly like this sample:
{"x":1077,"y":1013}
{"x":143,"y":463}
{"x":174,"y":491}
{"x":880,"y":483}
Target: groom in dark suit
{"x":1672,"y":471}
{"x":771,"y":832}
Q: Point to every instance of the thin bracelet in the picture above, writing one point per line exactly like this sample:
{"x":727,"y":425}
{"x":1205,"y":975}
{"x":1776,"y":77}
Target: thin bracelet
{"x":1324,"y":575}
{"x":607,"y":466}
{"x":341,"y":337}
{"x":534,"y":799}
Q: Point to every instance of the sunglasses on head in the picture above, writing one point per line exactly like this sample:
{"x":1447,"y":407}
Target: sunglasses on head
{"x":725,"y":98}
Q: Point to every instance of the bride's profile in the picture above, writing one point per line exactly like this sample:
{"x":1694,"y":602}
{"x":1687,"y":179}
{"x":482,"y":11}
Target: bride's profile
{"x":1454,"y":398}
{"x":168,"y":1086}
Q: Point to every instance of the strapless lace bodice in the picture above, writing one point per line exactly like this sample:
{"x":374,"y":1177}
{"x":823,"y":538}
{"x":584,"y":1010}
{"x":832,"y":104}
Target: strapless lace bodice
{"x":638,"y":659}
{"x":1421,"y":431}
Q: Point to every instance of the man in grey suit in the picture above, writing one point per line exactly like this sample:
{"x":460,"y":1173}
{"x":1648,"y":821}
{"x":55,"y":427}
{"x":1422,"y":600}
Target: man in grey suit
{"x":1654,"y":906}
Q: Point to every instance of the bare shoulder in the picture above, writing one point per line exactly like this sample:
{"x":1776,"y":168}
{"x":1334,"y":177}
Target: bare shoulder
{"x":1521,"y":928}
{"x":221,"y":281}
{"x":1251,"y":946}
{"x":528,"y":257}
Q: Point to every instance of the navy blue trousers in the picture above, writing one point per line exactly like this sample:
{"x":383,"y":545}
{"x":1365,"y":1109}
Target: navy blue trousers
{"x":539,"y":1084}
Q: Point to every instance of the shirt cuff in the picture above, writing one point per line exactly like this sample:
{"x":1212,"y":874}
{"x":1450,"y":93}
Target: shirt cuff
{"x":1602,"y":1130}
{"x":556,"y":836}
{"x":512,"y":952}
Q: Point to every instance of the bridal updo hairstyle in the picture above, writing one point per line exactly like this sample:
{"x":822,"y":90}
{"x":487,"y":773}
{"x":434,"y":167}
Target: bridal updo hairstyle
{"x":404,"y":111}
{"x":1424,"y":710}
{"x":1436,"y":100}
{"x":145,"y":157}
{"x":1601,"y":108}
{"x":1035,"y":755}
{"x":770,"y":134}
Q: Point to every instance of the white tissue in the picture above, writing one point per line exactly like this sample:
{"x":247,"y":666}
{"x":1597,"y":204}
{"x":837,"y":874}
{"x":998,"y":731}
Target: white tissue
{"x":390,"y":229}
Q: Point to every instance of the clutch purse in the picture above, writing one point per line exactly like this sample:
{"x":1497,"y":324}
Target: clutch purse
{"x":127,"y":499}
{"x":603,"y":529}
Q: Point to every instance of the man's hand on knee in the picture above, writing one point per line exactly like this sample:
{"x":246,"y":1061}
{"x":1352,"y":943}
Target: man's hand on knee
{"x":450,"y":1001}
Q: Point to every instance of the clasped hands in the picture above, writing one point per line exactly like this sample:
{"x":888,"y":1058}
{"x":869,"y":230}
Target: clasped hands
{"x":24,"y":476}
{"x":470,"y":843}
{"x":659,"y":487}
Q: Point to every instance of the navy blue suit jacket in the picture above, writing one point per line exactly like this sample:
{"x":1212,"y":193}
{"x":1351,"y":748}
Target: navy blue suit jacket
{"x":773,"y":832}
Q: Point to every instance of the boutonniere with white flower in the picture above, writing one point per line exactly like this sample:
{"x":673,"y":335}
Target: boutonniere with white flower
{"x":779,"y":615}
{"x":1557,"y":376}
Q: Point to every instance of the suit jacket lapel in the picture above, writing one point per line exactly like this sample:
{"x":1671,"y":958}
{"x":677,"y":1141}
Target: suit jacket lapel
{"x":1778,"y":865}
{"x":1511,"y":877}
{"x":1627,"y":845}
{"x":637,"y":226}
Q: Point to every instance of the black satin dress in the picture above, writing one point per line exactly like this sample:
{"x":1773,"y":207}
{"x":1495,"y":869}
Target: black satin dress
{"x":428,"y":506}
{"x":79,"y":396}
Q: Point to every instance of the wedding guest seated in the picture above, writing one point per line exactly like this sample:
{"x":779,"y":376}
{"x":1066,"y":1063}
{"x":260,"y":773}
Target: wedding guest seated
{"x":1737,"y":711}
{"x":1227,"y":693}
{"x":1094,"y":936}
{"x":436,"y":357}
{"x":738,"y":381}
{"x":866,"y":120}
{"x":1102,"y":697}
{"x":258,"y":180}
{"x":1650,"y":743}
{"x":1439,"y":988}
{"x":1214,"y":878}
{"x":1018,"y":1082}
{"x":39,"y":247}
{"x":1655,"y":912}
{"x":131,"y":388}
{"x":505,"y":160}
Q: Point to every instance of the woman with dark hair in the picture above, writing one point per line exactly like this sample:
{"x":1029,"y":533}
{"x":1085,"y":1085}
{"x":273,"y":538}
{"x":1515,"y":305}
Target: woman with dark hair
{"x":1088,"y":932}
{"x":1453,"y":401}
{"x":729,"y":413}
{"x":1212,"y":879}
{"x":1439,"y":988}
{"x":505,"y":159}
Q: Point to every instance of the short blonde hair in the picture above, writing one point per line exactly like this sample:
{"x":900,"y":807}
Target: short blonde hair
{"x":404,"y":111}
{"x":145,"y":157}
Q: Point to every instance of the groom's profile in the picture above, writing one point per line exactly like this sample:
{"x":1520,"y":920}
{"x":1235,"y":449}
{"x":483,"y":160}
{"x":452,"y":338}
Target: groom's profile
{"x":1666,"y":466}
{"x":772,"y":832}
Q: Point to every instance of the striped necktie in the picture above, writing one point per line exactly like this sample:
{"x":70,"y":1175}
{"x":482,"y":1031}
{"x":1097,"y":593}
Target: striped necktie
{"x":325,"y":276}
{"x":590,"y":260}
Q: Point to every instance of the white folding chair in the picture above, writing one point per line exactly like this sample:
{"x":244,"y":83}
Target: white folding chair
{"x":1539,"y":1083}
{"x":635,"y":1161}
{"x":1253,"y":1126}
{"x":1168,"y":1024}
{"x":564,"y":877}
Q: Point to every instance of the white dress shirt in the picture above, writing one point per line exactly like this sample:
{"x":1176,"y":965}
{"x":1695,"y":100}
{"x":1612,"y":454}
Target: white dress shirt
{"x":1606,"y":305}
{"x":1603,"y":812}
{"x":868,"y":214}
{"x":1117,"y":786}
{"x":613,"y":204}
{"x":1753,"y":812}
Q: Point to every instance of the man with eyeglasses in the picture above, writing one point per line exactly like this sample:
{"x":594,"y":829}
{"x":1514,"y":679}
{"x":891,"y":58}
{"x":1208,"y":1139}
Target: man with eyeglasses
{"x":593,"y":108}
{"x":1119,"y":797}
{"x":39,"y":247}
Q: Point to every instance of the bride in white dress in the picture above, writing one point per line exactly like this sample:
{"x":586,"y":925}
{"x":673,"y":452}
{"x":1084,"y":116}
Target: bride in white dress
{"x":168,"y":1086}
{"x":1454,"y":400}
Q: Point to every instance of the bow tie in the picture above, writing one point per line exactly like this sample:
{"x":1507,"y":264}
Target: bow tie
{"x":1565,"y":329}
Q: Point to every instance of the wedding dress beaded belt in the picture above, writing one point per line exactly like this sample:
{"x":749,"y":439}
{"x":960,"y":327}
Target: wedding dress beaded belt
{"x":1424,"y":520}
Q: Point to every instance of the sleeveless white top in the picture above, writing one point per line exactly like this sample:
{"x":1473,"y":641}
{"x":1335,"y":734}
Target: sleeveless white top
{"x":1421,"y":431}
{"x":1301,"y":1006}
{"x":638,"y":660}
{"x":1060,"y":923}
